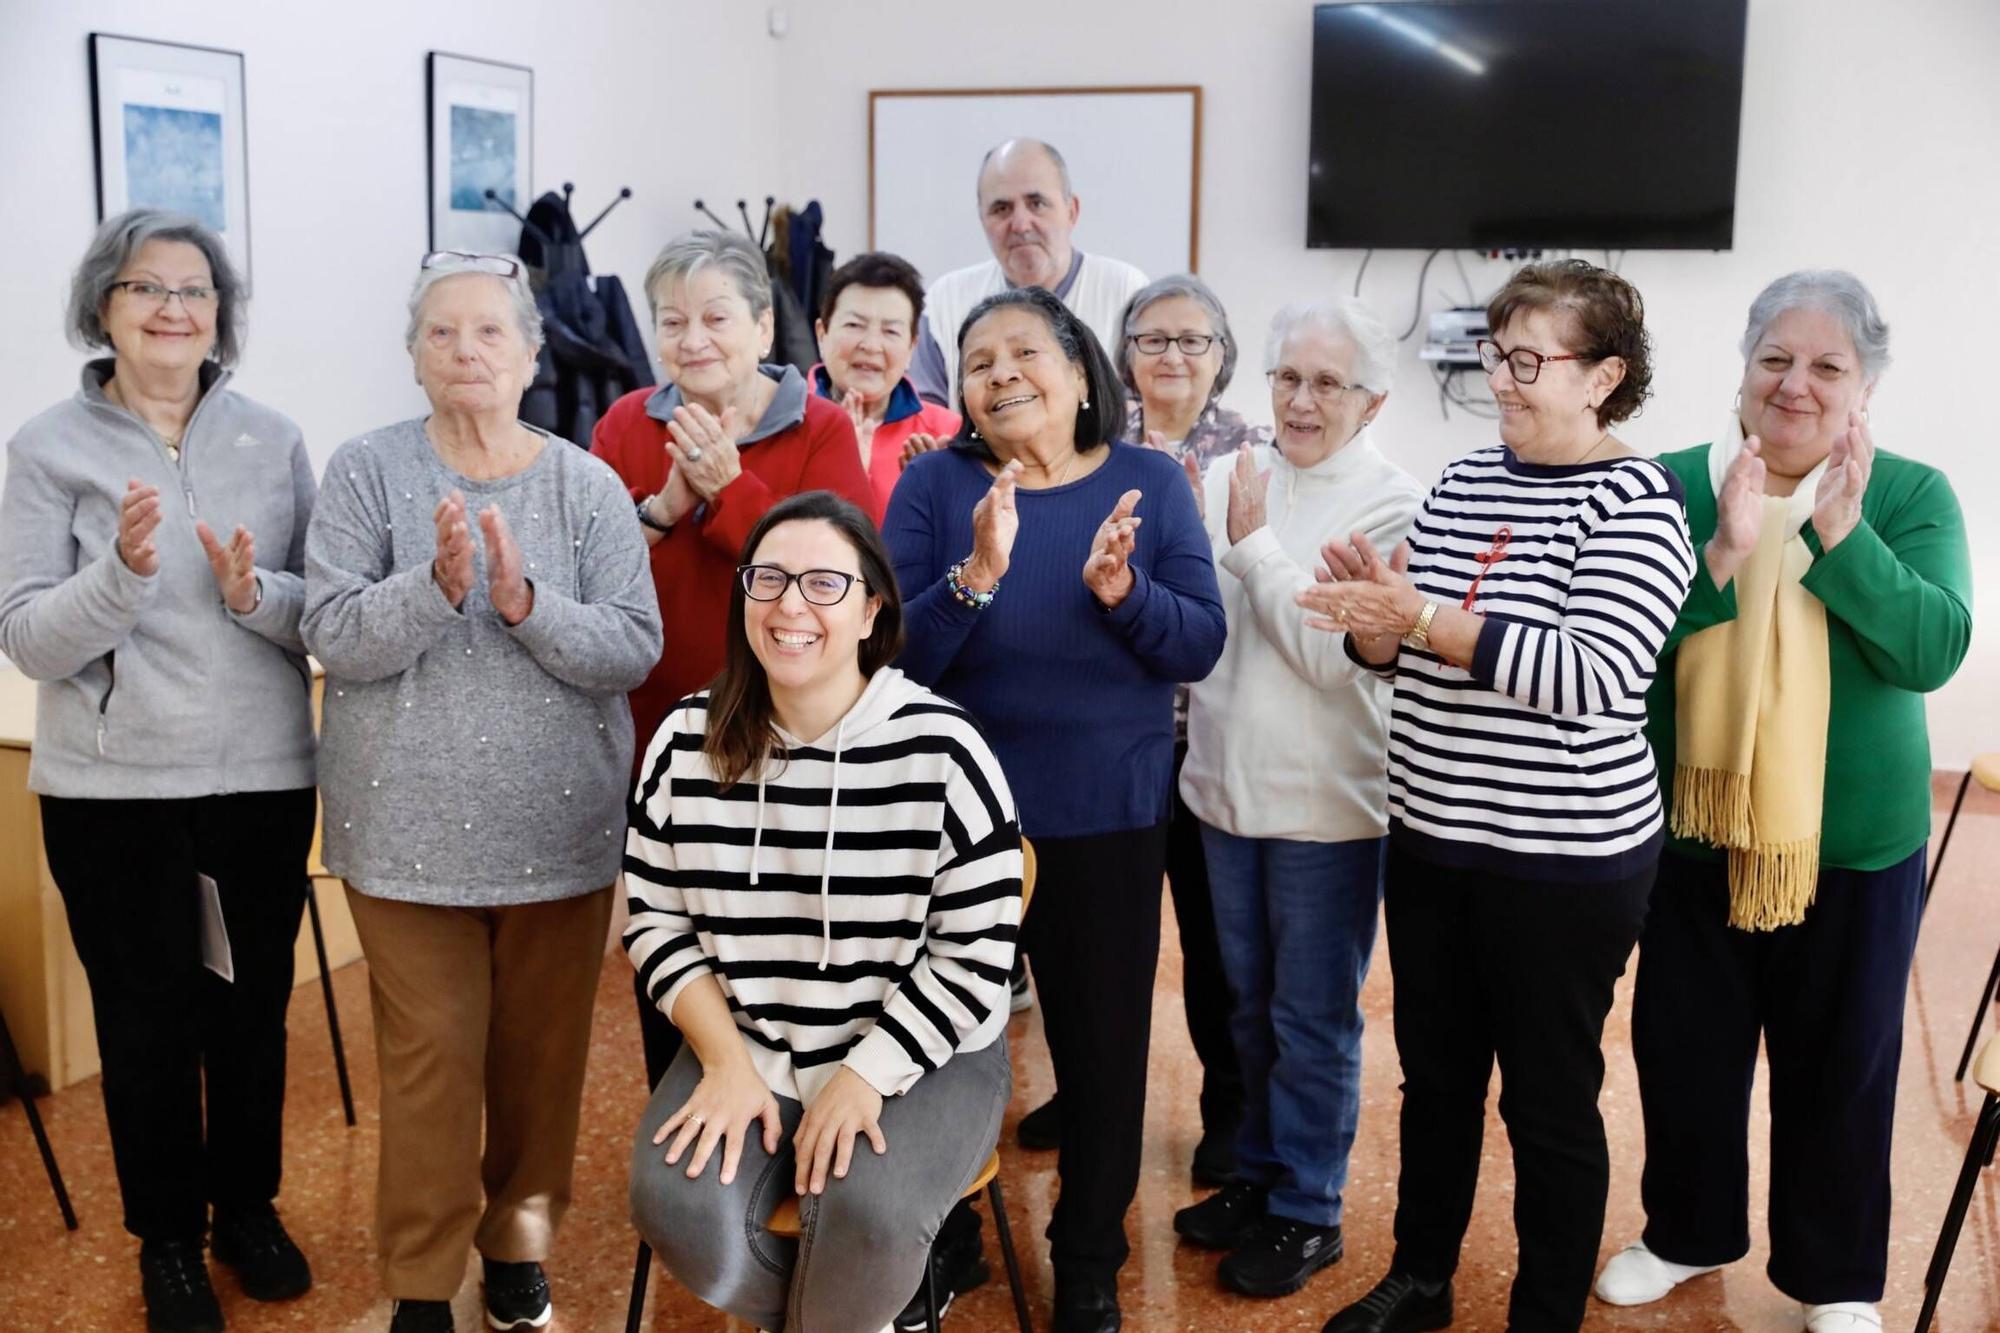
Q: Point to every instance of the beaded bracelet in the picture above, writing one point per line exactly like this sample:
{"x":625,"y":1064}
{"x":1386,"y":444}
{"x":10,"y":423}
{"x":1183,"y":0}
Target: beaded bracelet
{"x":954,"y":578}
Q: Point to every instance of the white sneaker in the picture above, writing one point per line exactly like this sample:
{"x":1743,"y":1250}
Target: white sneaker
{"x":1637,"y":1276}
{"x":1843,"y":1317}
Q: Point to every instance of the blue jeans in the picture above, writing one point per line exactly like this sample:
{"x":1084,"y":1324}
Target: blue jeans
{"x":1296,"y":925}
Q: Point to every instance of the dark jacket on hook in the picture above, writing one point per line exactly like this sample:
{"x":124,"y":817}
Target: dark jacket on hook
{"x":592,"y":351}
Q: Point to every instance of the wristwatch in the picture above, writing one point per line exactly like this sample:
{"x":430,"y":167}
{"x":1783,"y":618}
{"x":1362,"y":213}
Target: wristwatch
{"x":646,"y":516}
{"x":1419,"y":636}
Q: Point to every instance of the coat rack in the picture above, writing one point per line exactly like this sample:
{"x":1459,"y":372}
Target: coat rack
{"x":761,"y":235}
{"x":569,"y":188}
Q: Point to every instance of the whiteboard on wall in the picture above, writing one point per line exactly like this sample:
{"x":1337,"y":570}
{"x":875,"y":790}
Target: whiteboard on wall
{"x":1134,"y":158}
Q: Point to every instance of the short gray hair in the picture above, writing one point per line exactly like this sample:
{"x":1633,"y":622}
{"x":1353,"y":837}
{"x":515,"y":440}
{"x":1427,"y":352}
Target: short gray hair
{"x":1161,"y":289}
{"x":117,"y":240}
{"x":1834,"y":292}
{"x":527,"y":316}
{"x":738,"y":258}
{"x":1374,"y":345}
{"x":1062,"y":167}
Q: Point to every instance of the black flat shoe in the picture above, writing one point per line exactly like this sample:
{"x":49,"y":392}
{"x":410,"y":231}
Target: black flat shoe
{"x":173,"y":1274}
{"x":1224,"y":1218}
{"x":1397,"y":1304}
{"x":269,"y":1267}
{"x":1040,"y":1130}
{"x":421,"y":1317}
{"x":517,"y":1295}
{"x":1087,"y":1308}
{"x":1278,"y":1256}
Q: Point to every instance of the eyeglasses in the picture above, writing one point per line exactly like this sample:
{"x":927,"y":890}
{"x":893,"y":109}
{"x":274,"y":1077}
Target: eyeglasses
{"x":500,"y":266}
{"x":1326,"y":388}
{"x":192,"y":298}
{"x":1524,"y":364}
{"x":1191,"y":344}
{"x":821,"y":587}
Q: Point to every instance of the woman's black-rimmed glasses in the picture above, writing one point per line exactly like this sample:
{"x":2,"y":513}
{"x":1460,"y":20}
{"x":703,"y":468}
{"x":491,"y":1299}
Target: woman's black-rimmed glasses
{"x":1523,"y":363}
{"x":821,"y":587}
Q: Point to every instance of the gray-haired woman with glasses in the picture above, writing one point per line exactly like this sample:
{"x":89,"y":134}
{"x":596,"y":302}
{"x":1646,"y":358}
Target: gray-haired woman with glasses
{"x":151,"y":547}
{"x":478,"y":591}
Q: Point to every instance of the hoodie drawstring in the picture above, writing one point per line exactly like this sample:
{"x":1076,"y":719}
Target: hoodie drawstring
{"x":826,"y":857}
{"x":757,"y":837}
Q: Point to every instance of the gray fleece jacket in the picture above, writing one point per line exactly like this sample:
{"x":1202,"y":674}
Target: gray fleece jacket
{"x":465,"y":762}
{"x":151,"y":687}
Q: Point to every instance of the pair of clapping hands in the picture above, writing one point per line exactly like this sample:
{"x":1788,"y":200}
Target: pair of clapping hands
{"x":1739,"y":505}
{"x":234,"y":565}
{"x":506,"y":582}
{"x":1107,"y":571}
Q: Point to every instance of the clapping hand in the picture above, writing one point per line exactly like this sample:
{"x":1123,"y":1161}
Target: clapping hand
{"x":138,"y":518}
{"x":1108,"y":571}
{"x":1357,"y":592}
{"x":234,"y":566}
{"x":1837,"y":502}
{"x":704,"y":448}
{"x":856,"y":408}
{"x":919,"y":443}
{"x":1247,"y":490}
{"x":1739,"y":514}
{"x":506,"y":582}
{"x":452,"y":567}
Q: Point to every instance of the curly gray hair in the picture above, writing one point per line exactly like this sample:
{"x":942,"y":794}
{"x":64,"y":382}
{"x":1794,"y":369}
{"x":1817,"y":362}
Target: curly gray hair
{"x":1835,"y":292}
{"x":1160,"y":289}
{"x":117,"y":240}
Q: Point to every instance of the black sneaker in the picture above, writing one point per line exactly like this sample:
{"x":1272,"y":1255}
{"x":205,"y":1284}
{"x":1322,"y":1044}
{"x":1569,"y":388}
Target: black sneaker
{"x":179,"y":1299}
{"x":957,"y":1270}
{"x":517,"y":1295}
{"x":1087,"y":1306}
{"x":421,"y":1317}
{"x":1398,"y":1304}
{"x":1278,"y":1256}
{"x":252,"y":1240}
{"x":1040,"y":1130}
{"x":1220,"y":1221}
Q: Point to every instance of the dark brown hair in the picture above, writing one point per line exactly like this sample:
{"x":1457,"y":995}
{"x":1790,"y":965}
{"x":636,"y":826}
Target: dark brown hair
{"x":741,"y":730}
{"x":876,"y":268}
{"x":1604,"y":318}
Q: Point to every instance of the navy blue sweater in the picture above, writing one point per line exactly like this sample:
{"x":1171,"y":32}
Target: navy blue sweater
{"x":1077,"y":701}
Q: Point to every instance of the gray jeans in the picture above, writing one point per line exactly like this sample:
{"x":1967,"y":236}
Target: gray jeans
{"x":863,"y":1244}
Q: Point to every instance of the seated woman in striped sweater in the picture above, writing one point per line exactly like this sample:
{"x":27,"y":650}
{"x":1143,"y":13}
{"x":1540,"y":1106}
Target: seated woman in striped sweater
{"x":1521,"y":624}
{"x":824,"y":871}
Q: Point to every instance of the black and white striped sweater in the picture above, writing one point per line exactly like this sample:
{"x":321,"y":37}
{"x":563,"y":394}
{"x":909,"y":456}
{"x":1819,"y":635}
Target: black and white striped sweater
{"x":858,"y":905}
{"x":1534,"y":763}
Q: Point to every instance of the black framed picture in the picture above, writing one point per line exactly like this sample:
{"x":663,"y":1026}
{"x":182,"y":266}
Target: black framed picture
{"x":167,"y":121}
{"x":481,"y":135}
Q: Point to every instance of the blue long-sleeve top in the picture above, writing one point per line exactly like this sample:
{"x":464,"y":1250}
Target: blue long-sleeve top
{"x":1077,"y":701}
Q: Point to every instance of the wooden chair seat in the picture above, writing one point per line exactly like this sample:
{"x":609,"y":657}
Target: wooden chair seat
{"x":1986,"y":1070}
{"x":1986,"y":771}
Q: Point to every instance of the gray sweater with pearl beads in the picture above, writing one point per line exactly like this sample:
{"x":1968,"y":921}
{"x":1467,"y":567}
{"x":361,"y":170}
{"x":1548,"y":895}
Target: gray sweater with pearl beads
{"x":465,"y":762}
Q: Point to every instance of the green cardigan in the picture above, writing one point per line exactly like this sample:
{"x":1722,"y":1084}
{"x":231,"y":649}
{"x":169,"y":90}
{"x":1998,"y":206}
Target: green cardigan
{"x":1898,"y":594}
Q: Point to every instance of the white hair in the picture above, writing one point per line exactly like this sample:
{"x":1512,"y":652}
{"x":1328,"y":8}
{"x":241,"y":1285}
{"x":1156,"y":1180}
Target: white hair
{"x":1374,"y":345}
{"x":527,"y":317}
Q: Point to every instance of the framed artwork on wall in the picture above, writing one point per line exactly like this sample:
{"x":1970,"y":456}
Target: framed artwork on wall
{"x":167,"y":123}
{"x":481,"y":136}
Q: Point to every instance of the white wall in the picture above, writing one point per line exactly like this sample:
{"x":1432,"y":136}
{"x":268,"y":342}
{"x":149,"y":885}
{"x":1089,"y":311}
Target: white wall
{"x":1871,"y":134}
{"x":671,"y":99}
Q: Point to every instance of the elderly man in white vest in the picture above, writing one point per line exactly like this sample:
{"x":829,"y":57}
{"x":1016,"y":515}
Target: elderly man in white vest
{"x":1029,"y":210}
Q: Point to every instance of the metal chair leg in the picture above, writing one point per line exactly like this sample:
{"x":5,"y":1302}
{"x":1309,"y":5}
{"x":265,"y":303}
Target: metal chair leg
{"x":635,"y":1312}
{"x":1978,"y":1156}
{"x":332,"y":1014}
{"x":931,"y":1316}
{"x":17,"y":1079}
{"x":1987,"y":996}
{"x":1937,"y":862}
{"x":1006,"y":1235}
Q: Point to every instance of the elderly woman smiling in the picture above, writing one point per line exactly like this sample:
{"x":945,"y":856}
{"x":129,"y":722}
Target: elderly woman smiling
{"x":476,"y":744}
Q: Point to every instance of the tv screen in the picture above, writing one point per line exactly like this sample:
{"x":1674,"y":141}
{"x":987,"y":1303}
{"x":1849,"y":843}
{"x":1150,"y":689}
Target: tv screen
{"x":1507,"y":124}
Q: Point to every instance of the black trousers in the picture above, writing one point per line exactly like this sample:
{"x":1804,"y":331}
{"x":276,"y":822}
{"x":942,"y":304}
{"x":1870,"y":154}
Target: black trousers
{"x":1826,"y":996}
{"x":166,"y":1026}
{"x":661,"y":1039}
{"x":1093,"y":936}
{"x":1204,"y":989}
{"x":1487,"y":967}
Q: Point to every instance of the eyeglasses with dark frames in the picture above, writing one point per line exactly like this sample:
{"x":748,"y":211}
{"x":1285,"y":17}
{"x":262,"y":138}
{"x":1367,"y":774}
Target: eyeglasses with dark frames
{"x":1525,"y":364}
{"x":821,"y":587}
{"x":1191,"y":344}
{"x":468,"y":261}
{"x":191,"y":298}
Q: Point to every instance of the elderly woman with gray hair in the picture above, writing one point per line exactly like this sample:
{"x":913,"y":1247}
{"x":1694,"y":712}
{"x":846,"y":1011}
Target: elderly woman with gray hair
{"x":1788,"y":899}
{"x":173,"y":717}
{"x":478,"y":593}
{"x":1287,"y":774}
{"x":703,"y":458}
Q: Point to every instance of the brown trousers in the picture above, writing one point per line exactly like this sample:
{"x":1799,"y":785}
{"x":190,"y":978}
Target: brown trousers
{"x":477,"y":1010}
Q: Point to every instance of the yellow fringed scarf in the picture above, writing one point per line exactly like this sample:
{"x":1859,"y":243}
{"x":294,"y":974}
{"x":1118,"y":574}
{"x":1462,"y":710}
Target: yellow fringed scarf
{"x":1752,"y":697}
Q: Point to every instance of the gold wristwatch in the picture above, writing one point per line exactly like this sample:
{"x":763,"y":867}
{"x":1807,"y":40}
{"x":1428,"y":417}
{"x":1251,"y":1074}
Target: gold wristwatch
{"x":1419,"y":636}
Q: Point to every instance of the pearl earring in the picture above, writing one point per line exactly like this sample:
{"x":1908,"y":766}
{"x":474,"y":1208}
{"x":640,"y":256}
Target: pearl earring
{"x":1086,"y":404}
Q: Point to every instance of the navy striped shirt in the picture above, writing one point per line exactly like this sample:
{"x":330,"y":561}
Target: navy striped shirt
{"x":1534,"y":762}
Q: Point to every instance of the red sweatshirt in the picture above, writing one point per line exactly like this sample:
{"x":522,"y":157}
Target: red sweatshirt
{"x":804,"y":443}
